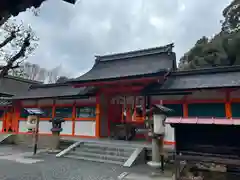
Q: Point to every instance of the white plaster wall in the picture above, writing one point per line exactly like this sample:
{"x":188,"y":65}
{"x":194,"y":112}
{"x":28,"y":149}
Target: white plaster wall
{"x":28,"y":102}
{"x":45,"y":102}
{"x":235,"y":94}
{"x":169,"y":133}
{"x":1,"y":125}
{"x":45,"y":127}
{"x":207,"y":94}
{"x":22,"y":126}
{"x":85,"y":128}
{"x":67,"y":127}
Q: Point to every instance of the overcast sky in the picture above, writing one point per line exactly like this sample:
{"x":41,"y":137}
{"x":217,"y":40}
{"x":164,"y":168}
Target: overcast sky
{"x":71,"y":35}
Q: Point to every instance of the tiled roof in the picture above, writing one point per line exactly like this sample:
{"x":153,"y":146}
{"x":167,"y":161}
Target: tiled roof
{"x":11,"y":85}
{"x":137,"y":53}
{"x":200,"y":79}
{"x":129,"y":64}
{"x":40,"y":92}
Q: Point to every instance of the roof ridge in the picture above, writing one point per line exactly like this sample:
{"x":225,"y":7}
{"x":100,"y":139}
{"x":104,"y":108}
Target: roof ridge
{"x":35,"y":86}
{"x":22,"y":79}
{"x":220,"y":69}
{"x":136,"y":53}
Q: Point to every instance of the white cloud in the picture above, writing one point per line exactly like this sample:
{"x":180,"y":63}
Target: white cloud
{"x":71,"y":35}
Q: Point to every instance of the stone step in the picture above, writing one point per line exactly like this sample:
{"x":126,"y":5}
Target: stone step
{"x":107,"y":152}
{"x":64,"y":144}
{"x":93,"y":159}
{"x":104,"y":151}
{"x":99,"y":156}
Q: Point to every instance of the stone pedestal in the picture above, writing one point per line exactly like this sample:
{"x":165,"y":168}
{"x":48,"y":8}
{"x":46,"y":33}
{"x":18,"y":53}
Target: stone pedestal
{"x":156,"y":161}
{"x":157,"y":153}
{"x":55,"y":141}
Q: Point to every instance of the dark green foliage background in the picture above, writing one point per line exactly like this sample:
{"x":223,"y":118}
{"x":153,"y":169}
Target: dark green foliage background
{"x":221,"y":50}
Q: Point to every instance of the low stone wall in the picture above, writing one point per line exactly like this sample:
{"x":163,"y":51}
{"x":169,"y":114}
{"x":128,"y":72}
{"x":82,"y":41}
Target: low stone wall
{"x":27,"y":140}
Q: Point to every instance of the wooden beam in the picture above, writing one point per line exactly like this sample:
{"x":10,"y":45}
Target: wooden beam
{"x":122,"y":90}
{"x":185,"y":110}
{"x":122,"y":81}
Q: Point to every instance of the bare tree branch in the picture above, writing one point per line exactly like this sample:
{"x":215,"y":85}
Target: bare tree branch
{"x":8,"y":39}
{"x":4,"y":18}
{"x":21,"y":53}
{"x":19,"y":41}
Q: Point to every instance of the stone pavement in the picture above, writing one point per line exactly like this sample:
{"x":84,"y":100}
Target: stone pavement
{"x":47,"y":167}
{"x":51,"y":168}
{"x":147,"y":176}
{"x":16,"y":155}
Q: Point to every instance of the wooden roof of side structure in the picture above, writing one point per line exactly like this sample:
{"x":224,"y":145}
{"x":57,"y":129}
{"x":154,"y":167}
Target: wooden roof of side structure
{"x":209,"y":78}
{"x":176,"y":82}
{"x":10,"y":85}
{"x":57,"y":90}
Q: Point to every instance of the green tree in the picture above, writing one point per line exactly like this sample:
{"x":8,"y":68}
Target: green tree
{"x":222,"y":49}
{"x":231,"y":16}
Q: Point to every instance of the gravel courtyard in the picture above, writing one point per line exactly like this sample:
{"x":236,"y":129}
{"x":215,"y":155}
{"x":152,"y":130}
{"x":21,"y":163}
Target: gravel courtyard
{"x":13,"y":166}
{"x":18,"y":164}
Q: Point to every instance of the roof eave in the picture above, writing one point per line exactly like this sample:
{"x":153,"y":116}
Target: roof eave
{"x":51,"y":97}
{"x":198,"y":88}
{"x":221,"y":69}
{"x":160,"y":73}
{"x":143,"y":52}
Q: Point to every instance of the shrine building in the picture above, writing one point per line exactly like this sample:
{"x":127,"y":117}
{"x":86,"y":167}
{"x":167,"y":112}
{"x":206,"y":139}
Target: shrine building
{"x":118,"y":90}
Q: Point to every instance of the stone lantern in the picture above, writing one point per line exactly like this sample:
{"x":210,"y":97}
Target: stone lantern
{"x":32,"y":124}
{"x":56,"y":129}
{"x":156,"y":126}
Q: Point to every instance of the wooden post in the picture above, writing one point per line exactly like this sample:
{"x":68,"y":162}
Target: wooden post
{"x":177,"y":169}
{"x":161,"y":149}
{"x":36,"y":137}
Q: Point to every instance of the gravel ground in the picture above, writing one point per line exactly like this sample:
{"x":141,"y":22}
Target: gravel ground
{"x":52,"y":168}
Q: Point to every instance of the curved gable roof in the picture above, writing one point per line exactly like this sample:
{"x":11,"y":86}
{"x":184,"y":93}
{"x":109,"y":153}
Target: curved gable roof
{"x":130,"y":64}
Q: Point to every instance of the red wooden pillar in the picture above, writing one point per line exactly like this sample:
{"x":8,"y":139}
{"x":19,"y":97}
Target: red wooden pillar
{"x":97,"y":130}
{"x":16,"y":116}
{"x":73,"y":118}
{"x":228,"y":109}
{"x":110,"y":111}
{"x":185,"y":110}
